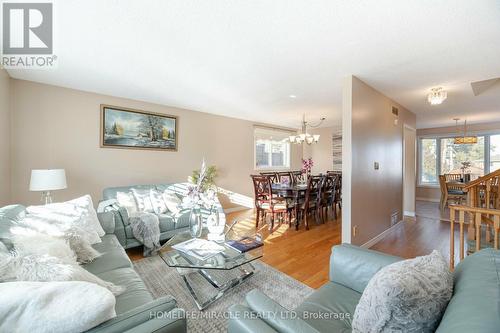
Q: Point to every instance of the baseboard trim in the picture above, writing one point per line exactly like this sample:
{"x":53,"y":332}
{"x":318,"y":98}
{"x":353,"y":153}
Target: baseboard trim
{"x":428,"y":199}
{"x":408,"y":213}
{"x":235,"y":209}
{"x":380,"y":236}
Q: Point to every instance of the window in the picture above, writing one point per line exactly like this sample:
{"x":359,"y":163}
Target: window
{"x":452,"y":157}
{"x":440,"y":155}
{"x":494,"y":152}
{"x":272,"y":149}
{"x":428,"y":161}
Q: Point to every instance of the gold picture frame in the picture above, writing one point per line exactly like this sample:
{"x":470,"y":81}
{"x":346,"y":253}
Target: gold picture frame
{"x":126,"y":128}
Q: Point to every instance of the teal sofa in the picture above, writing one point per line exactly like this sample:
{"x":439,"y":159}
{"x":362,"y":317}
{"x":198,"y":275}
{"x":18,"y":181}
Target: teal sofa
{"x":168,"y":227}
{"x":135,"y":308}
{"x":474,"y":307}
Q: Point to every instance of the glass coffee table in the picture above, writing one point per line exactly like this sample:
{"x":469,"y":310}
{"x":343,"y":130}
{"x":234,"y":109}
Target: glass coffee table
{"x":208,"y":280}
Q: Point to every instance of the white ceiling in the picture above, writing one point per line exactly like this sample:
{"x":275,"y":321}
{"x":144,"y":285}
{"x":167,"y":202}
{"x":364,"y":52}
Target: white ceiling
{"x":244,"y":58}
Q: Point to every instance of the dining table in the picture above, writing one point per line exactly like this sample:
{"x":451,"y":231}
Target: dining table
{"x":294,"y":192}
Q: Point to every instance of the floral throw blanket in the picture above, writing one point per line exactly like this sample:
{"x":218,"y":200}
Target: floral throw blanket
{"x":146,"y":229}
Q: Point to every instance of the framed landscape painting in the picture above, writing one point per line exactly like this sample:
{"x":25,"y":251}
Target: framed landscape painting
{"x":135,"y":129}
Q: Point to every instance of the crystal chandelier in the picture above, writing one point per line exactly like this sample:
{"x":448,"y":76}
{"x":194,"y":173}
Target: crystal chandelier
{"x":436,"y":96}
{"x":303,"y":136}
{"x":464,"y":139}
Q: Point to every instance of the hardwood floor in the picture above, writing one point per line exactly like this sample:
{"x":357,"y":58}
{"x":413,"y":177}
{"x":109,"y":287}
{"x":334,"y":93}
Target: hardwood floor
{"x":305,"y":255}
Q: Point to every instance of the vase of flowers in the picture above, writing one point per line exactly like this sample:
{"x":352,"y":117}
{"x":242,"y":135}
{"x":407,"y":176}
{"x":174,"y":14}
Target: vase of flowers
{"x":307,"y":165}
{"x":195,"y":222}
{"x":202,"y":193}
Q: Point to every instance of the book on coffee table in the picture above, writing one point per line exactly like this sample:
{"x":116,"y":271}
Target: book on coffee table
{"x":245,"y":244}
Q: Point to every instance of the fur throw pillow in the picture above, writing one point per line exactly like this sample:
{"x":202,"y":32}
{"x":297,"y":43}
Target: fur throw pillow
{"x":39,"y":244}
{"x":70,"y":246}
{"x":45,"y":268}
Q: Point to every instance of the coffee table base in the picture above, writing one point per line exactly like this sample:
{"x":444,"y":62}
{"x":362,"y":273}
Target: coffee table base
{"x":208,"y":285}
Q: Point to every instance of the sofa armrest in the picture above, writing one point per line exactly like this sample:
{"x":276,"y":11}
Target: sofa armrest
{"x":242,"y":321}
{"x":107,"y":221}
{"x":276,"y":316}
{"x":173,"y":322}
{"x":353,"y":266}
{"x":157,"y":309}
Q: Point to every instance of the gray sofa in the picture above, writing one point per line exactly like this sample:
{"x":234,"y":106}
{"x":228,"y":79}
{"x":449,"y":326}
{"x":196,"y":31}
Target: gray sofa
{"x":135,"y":308}
{"x":474,"y":307}
{"x":168,"y":227}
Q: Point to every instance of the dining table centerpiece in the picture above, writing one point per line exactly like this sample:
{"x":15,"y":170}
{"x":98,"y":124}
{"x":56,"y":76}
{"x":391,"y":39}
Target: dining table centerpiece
{"x":307,"y":165}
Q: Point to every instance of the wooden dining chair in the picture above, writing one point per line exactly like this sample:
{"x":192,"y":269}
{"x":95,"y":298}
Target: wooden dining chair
{"x":298,"y":177}
{"x":328,"y":197}
{"x":273,"y":176}
{"x":285,"y":177}
{"x":449,"y":193}
{"x":266,"y":203}
{"x":311,"y":202}
{"x":337,"y":201}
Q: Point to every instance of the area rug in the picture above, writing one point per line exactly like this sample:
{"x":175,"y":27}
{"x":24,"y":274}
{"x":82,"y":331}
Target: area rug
{"x":162,"y":280}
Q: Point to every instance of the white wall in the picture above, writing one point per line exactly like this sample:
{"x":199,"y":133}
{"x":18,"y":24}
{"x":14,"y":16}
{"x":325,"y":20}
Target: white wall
{"x":4,"y":138}
{"x":54,"y":127}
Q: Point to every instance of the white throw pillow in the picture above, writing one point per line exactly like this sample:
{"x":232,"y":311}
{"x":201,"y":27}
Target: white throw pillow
{"x":86,"y":203}
{"x":407,"y":296}
{"x":54,"y":307}
{"x":159,"y":206}
{"x":54,"y":225}
{"x":46,"y":268}
{"x":173,"y":203}
{"x":79,"y":212}
{"x":127,"y":201}
{"x":143,"y":200}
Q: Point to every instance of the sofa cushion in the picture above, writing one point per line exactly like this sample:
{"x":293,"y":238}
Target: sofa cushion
{"x":113,"y":256}
{"x":334,"y":301}
{"x":475,"y":305}
{"x":166,"y":222}
{"x":135,"y":294}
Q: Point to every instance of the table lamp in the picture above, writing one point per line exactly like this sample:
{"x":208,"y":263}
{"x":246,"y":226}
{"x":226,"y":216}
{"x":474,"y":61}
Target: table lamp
{"x":47,"y":180}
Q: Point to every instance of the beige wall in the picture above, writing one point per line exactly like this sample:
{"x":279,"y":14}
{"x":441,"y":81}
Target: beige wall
{"x":55,"y":127}
{"x":321,"y":152}
{"x":4,"y":138}
{"x":432,"y":193}
{"x":375,"y":194}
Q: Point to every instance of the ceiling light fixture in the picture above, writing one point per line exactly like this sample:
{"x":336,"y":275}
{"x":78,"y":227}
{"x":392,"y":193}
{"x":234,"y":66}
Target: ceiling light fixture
{"x":303,"y":136}
{"x":464,"y":139}
{"x":292,"y":96}
{"x":436,"y":96}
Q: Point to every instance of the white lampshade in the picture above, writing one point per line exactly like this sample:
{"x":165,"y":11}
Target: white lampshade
{"x":48,"y":180}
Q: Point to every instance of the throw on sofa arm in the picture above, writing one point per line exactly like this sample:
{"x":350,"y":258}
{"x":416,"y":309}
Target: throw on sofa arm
{"x":265,"y":315}
{"x":161,"y":311}
{"x":353,"y":266}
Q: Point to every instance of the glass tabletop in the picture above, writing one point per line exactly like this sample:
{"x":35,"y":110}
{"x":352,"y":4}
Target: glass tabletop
{"x":228,"y":259}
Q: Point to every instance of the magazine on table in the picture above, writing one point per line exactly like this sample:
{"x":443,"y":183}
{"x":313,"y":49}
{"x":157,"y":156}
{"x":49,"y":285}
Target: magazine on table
{"x":201,"y":249}
{"x":245,"y":244}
